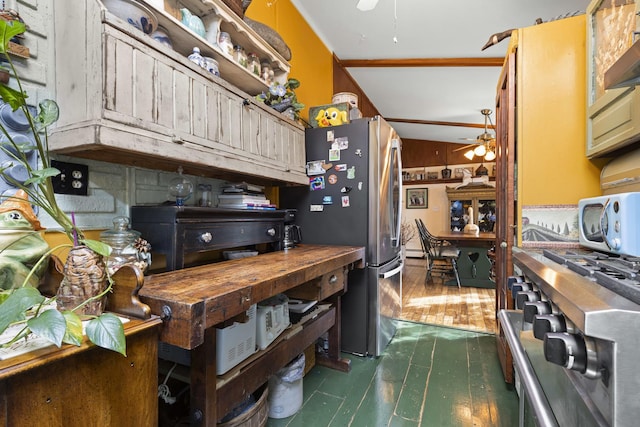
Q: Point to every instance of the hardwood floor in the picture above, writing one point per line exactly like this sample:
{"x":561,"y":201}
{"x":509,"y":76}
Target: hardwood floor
{"x":438,"y":304}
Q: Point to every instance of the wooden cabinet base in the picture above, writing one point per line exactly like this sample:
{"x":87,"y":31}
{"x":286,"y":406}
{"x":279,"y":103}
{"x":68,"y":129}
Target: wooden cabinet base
{"x":90,"y":387}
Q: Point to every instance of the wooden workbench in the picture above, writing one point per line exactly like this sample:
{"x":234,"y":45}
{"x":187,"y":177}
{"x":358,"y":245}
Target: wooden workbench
{"x":193,"y":301}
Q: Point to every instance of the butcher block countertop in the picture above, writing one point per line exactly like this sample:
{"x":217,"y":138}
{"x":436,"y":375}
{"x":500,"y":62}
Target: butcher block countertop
{"x":194,"y":299}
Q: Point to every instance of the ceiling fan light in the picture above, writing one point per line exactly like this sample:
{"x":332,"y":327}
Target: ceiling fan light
{"x":469,"y":154}
{"x":365,"y":5}
{"x":490,"y":156}
{"x":480,"y":150}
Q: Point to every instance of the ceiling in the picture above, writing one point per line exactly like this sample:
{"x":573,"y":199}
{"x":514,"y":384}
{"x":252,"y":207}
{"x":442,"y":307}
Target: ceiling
{"x":436,"y":103}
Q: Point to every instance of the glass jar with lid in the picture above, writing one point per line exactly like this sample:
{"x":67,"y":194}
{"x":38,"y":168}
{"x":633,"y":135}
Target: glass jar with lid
{"x":211,"y":66}
{"x":253,"y":64}
{"x":121,"y":239}
{"x":225,"y":44}
{"x":239,"y":55}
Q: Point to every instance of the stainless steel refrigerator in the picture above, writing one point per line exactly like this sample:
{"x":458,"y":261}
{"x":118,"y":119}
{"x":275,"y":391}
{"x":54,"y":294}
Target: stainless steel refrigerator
{"x":354,"y":197}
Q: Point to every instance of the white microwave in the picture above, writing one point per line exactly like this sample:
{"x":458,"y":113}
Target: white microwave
{"x":611,"y":223}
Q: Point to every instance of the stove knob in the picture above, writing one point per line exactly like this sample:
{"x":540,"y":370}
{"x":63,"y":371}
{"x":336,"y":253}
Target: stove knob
{"x":520,"y":286}
{"x":543,"y":323}
{"x":511,"y":280}
{"x":525,"y":296}
{"x":531,"y":308}
{"x":564,"y":349}
{"x":206,"y":237}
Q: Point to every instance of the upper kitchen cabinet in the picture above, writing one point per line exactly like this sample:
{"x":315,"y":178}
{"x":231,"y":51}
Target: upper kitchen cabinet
{"x":129,"y":99}
{"x":613,"y":115}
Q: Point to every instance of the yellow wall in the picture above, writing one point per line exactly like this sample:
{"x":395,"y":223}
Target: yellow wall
{"x":552,"y":163}
{"x":311,"y":61}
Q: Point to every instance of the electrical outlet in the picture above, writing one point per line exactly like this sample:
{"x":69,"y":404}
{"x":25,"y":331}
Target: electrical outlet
{"x":72,"y":179}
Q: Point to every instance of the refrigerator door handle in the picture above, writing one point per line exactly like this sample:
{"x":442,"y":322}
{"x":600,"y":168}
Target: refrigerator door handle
{"x":393,"y":272}
{"x":395,"y":145}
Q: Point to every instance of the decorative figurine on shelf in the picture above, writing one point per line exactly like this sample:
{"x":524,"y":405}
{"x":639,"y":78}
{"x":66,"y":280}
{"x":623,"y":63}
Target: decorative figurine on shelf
{"x":331,"y":116}
{"x":21,"y":244}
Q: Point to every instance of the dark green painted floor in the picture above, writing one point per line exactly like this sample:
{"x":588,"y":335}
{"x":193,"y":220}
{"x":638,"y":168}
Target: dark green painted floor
{"x":428,"y":376}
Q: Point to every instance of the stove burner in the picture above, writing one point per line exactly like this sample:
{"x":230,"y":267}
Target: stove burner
{"x":620,"y":274}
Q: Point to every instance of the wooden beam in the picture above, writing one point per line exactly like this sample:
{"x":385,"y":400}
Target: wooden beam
{"x":423,"y":62}
{"x":438,"y":123}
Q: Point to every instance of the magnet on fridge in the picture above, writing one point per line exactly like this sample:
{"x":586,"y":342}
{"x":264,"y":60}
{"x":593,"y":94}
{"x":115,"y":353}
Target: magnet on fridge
{"x":360,"y":186}
{"x":334,"y":155}
{"x":315,"y":167}
{"x":330,"y":136}
{"x":345,"y":201}
{"x":333,"y":178}
{"x":316,"y":183}
{"x":341,"y":167}
{"x":335,"y":146}
{"x":345,"y":190}
{"x":316,"y":208}
{"x":343,"y":142}
{"x":327,"y":200}
{"x":351,"y":172}
{"x":359,"y":152}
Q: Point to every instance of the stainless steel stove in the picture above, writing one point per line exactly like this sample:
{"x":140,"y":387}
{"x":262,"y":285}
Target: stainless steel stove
{"x":574,"y":337}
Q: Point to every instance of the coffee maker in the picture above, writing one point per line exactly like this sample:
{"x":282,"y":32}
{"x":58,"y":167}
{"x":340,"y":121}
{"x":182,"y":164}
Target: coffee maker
{"x":292,"y":233}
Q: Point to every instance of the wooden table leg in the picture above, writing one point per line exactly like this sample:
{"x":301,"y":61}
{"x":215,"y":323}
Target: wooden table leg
{"x":332,"y":359}
{"x":203,"y":382}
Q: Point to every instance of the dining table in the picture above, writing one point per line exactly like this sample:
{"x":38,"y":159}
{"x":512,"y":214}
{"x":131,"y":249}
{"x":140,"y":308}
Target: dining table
{"x":475,"y":267}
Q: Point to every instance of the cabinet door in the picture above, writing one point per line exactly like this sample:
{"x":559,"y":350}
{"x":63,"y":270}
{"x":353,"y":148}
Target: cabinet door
{"x":613,"y":115}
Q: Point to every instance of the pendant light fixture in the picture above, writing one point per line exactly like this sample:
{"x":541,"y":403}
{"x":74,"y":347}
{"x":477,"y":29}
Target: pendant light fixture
{"x":366,"y":5}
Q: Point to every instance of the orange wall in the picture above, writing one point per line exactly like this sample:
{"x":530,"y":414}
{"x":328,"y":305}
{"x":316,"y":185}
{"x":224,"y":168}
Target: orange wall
{"x":552,"y":164}
{"x":311,"y":61}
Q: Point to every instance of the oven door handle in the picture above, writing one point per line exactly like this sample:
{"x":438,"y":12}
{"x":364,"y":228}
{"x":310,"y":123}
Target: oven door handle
{"x":539,"y":404}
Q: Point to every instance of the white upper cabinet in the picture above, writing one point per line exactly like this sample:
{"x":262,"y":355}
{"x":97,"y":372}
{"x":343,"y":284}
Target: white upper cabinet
{"x":126,"y":98}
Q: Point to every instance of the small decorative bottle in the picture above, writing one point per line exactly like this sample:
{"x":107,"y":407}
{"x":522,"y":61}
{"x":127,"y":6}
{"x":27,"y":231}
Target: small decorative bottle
{"x":197,"y":58}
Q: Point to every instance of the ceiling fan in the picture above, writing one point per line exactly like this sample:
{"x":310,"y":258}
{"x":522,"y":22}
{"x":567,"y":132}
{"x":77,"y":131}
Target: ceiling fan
{"x":485,"y":143}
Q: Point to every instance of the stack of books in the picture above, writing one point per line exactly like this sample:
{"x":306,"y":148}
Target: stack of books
{"x":244,"y":196}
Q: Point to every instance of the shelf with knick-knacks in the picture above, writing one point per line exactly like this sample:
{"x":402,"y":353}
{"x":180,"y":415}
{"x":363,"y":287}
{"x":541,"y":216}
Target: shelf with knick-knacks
{"x":212,"y":18}
{"x":448,"y":174}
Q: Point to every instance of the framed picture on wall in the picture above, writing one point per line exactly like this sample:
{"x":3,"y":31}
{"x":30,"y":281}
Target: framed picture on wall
{"x":417,"y":198}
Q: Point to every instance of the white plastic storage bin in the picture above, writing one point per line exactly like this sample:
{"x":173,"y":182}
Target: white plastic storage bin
{"x":236,"y":342}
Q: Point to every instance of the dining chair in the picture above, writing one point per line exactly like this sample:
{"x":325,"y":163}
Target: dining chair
{"x":442,"y":256}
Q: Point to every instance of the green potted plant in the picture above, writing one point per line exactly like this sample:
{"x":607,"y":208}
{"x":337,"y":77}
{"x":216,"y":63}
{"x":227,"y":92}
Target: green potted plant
{"x":282,"y":97}
{"x":21,"y":303}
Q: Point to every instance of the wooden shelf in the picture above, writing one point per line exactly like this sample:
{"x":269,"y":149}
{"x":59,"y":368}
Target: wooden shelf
{"x":440,"y":181}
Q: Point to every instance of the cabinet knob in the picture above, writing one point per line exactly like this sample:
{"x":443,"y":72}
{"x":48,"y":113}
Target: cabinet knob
{"x":333,"y":279}
{"x":271,"y":232}
{"x":206,"y":237}
{"x":246,"y":102}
